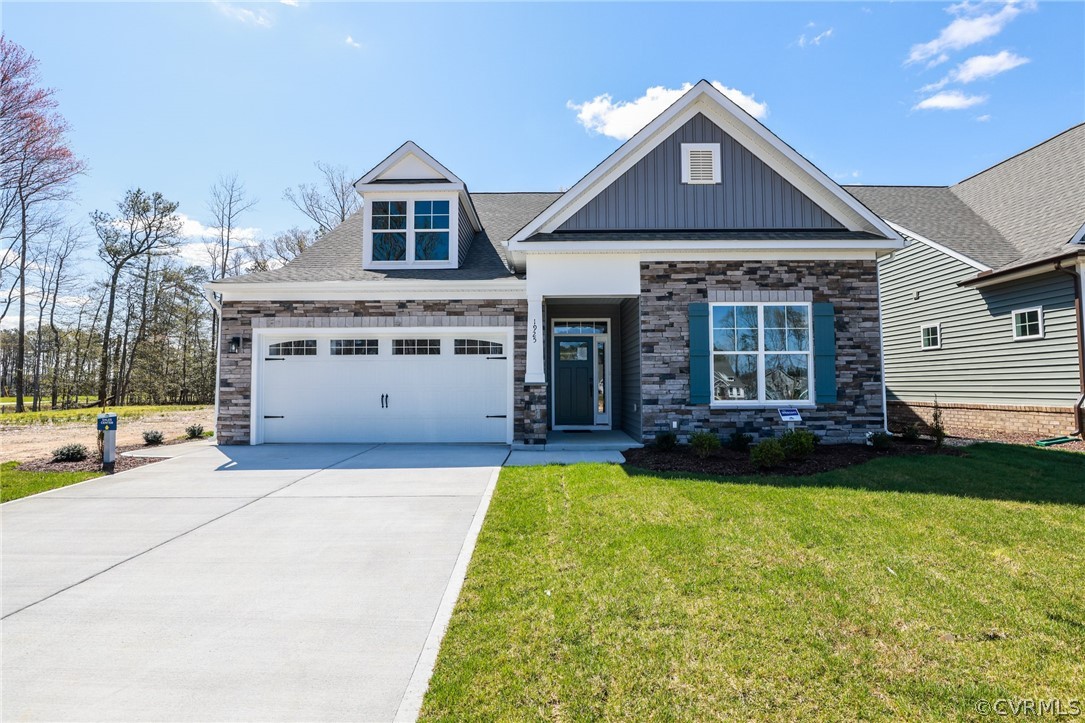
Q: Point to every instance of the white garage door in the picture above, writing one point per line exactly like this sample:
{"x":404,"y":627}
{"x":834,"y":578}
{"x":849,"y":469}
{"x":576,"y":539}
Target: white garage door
{"x":364,"y":387}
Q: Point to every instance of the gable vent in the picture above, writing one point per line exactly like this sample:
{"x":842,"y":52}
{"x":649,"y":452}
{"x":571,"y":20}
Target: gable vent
{"x":700,"y":163}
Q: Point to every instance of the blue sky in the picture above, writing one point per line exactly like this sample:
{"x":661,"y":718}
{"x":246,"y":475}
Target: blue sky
{"x":170,"y":96}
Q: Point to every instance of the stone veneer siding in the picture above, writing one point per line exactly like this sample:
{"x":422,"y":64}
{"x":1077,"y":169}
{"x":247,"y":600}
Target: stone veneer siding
{"x":667,"y":289}
{"x":239,"y":318}
{"x":962,"y":419}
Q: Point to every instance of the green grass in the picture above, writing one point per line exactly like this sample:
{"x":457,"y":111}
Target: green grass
{"x":17,"y":483}
{"x":904,"y":589}
{"x":23,"y":419}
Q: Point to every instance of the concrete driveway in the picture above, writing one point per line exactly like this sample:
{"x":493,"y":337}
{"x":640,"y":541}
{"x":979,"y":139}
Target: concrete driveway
{"x":292,"y":582}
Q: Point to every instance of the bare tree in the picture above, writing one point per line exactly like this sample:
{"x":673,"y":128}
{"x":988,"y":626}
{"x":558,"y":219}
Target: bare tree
{"x":328,"y":202}
{"x":36,"y":165}
{"x":271,"y":253}
{"x":146,"y":225}
{"x":226,"y":203}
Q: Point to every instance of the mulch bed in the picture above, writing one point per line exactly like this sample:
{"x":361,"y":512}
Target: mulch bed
{"x":93,"y":463}
{"x":726,"y":462}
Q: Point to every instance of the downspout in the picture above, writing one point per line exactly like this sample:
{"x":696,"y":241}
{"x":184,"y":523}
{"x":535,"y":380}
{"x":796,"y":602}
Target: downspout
{"x":881,"y":344}
{"x":217,"y":306}
{"x":1079,"y":280}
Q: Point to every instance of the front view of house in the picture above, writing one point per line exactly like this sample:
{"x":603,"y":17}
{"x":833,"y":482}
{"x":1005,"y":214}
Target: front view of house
{"x":702,"y":277}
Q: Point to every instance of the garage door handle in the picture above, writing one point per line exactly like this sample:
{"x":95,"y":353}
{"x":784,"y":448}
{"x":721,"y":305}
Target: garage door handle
{"x":497,"y":357}
{"x":273,"y":416}
{"x":274,"y":358}
{"x":497,"y":416}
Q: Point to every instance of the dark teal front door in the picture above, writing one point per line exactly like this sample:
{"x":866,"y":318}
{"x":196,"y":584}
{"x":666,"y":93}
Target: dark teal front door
{"x":574,"y":381}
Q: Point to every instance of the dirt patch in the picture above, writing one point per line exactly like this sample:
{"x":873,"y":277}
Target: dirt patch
{"x":968,"y":436}
{"x":727,"y":462}
{"x":37,"y":441}
{"x":90,"y":464}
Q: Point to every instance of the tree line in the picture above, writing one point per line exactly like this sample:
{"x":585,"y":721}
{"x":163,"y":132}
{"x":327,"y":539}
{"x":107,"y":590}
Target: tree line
{"x":141,"y":331}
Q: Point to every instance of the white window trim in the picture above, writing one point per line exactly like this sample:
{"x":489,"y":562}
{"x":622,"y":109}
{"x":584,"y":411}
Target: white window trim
{"x":409,"y":261}
{"x":761,"y":402}
{"x":1013,"y":323}
{"x":716,"y":169}
{"x":938,"y":329}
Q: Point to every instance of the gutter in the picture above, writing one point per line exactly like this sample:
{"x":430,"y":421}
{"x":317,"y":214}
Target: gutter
{"x":1028,"y":269}
{"x":1078,"y":280}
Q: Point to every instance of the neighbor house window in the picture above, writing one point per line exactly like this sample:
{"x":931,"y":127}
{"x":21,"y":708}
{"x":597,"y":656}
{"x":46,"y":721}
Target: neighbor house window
{"x":411,"y":231}
{"x":761,"y":353}
{"x":415,"y":347}
{"x":1028,"y":324}
{"x":476,"y":347}
{"x":930,"y":336}
{"x":355,"y":347}
{"x":299,"y":347}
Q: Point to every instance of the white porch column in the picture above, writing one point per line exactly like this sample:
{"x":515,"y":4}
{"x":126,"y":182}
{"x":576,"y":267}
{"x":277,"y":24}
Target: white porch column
{"x":536,"y":342}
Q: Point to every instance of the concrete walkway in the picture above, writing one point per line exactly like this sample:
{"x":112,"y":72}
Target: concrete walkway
{"x":294,"y":582}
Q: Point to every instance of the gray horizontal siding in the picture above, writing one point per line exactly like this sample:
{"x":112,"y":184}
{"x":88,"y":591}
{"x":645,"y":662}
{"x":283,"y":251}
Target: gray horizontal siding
{"x":979,"y":361}
{"x":466,"y":233}
{"x":651,"y":195}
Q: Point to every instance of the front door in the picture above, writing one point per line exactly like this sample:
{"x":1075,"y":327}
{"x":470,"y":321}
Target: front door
{"x":574,"y":377}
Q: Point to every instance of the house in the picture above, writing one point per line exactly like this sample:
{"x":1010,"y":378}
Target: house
{"x":982,"y":308}
{"x":702,"y":276}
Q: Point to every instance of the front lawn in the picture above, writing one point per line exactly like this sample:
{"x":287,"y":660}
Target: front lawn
{"x":15,"y":483}
{"x":907,"y":588}
{"x":23,"y":419}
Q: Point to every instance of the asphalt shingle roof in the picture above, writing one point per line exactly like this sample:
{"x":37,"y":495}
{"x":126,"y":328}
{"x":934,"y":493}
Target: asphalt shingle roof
{"x":1025,"y":208}
{"x":337,"y":256}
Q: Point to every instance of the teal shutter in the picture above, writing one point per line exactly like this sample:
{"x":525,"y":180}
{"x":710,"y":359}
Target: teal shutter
{"x":700,"y":391}
{"x":824,"y":353}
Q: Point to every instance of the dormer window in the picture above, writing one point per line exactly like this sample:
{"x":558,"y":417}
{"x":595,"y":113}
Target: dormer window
{"x":409,"y":231}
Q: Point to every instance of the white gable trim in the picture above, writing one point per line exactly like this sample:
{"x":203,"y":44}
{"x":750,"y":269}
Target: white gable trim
{"x":410,"y":148}
{"x":939,"y":247}
{"x":706,"y":99}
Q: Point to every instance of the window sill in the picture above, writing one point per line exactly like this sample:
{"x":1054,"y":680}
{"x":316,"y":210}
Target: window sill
{"x":391,"y":265}
{"x":763,"y":405}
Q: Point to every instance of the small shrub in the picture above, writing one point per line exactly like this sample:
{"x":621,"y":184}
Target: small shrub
{"x":70,"y":453}
{"x":767,"y":454}
{"x":194,"y":431}
{"x":704,"y":443}
{"x":740,"y":441}
{"x":666,"y":441}
{"x":798,"y":443}
{"x":880,"y":441}
{"x":152,"y":437}
{"x":938,"y":428}
{"x":910,"y":433}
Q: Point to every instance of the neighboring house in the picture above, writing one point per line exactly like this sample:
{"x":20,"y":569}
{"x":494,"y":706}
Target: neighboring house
{"x":701,"y":277}
{"x":981,"y":309}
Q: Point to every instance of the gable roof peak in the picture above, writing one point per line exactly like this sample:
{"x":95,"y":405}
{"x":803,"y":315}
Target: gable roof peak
{"x":408,"y":162}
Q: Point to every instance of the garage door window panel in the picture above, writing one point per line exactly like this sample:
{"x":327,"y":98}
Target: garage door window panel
{"x":355,"y":347}
{"x":294,"y":347}
{"x":416,"y":347}
{"x":477,"y":347}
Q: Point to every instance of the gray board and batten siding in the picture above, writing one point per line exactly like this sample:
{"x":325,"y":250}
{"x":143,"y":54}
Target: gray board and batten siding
{"x":979,"y":361}
{"x":651,"y":195}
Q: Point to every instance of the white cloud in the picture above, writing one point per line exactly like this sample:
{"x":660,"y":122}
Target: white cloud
{"x":260,"y":17}
{"x":291,"y":3}
{"x":353,"y":43}
{"x":848,"y":175}
{"x":195,"y":235}
{"x":949,"y":100}
{"x":622,"y":119}
{"x":983,"y":118}
{"x":975,"y":21}
{"x":803,"y":41}
{"x":979,"y":67}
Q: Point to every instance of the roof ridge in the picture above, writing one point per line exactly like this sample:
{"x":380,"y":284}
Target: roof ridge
{"x":1030,"y":149}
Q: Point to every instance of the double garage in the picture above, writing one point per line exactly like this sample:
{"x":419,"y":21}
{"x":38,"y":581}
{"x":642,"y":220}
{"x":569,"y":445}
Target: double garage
{"x":394,"y":386}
